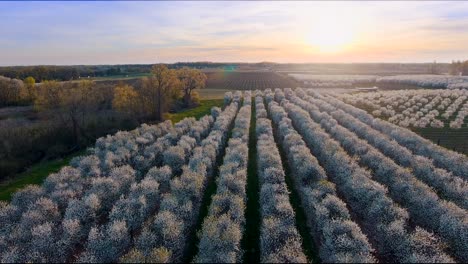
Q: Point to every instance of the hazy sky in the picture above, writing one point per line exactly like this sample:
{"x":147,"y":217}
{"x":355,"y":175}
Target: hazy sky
{"x":148,"y":32}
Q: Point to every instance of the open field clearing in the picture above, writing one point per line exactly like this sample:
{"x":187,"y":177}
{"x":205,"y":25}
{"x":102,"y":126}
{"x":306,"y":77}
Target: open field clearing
{"x":197,"y":112}
{"x":213,"y":93}
{"x":272,"y":176}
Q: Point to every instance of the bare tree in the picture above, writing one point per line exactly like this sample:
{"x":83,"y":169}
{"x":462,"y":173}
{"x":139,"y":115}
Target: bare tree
{"x":71,"y":102}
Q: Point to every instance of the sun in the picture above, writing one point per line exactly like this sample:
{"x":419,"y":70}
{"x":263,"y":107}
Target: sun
{"x":330,"y":34}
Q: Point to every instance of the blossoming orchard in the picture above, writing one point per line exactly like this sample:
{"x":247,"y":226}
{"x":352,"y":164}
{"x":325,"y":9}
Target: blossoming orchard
{"x":338,"y":178}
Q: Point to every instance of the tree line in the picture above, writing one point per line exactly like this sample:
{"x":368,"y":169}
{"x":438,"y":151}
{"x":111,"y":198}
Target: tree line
{"x":66,"y":73}
{"x":459,"y":68}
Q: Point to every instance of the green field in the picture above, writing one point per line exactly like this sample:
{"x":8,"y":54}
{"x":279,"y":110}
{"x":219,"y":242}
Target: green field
{"x":213,"y":93}
{"x":119,"y":77}
{"x":203,"y":109}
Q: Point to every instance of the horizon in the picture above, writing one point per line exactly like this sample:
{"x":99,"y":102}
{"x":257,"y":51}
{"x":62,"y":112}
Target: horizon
{"x":225,"y":62}
{"x":118,"y":33}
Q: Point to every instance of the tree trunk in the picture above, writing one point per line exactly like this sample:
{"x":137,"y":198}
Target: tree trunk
{"x":187,"y":99}
{"x":75,"y":131}
{"x":159,"y":106}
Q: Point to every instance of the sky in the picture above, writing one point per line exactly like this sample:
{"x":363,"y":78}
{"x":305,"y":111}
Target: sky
{"x":70,"y":33}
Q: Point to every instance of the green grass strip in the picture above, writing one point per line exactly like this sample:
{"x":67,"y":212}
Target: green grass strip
{"x":203,"y":109}
{"x":251,"y":239}
{"x":35,"y":175}
{"x":193,"y":240}
{"x":308,"y":244}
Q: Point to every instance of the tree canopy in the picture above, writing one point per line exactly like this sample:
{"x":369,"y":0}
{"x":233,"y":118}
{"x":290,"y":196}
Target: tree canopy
{"x":158,"y":93}
{"x":191,"y":79}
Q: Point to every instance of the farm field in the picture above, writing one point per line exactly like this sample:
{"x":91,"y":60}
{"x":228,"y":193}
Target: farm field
{"x":248,"y":80}
{"x":271,"y":176}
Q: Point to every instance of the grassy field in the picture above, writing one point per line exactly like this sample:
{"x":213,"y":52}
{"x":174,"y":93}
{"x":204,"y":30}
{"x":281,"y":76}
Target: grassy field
{"x":119,"y":77}
{"x":35,"y":175}
{"x":212,"y":93}
{"x":197,"y":112}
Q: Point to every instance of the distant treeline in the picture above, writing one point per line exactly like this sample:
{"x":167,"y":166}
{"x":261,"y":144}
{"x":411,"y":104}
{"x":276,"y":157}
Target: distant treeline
{"x":67,"y":73}
{"x":74,"y":72}
{"x":459,"y":68}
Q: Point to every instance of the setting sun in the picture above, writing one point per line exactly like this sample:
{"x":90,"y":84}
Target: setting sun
{"x":331,"y":31}
{"x":331,"y":38}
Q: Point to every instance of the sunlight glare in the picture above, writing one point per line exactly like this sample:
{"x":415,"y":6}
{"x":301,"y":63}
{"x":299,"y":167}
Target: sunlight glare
{"x":331,"y":32}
